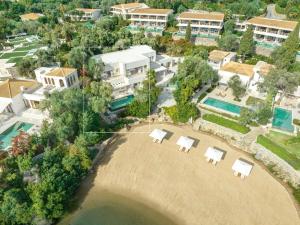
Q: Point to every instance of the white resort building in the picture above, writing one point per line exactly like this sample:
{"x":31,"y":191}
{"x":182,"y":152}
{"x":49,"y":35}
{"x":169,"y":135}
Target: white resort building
{"x":218,"y":58}
{"x":84,"y":14}
{"x":126,"y":70}
{"x":124,"y":9}
{"x":152,"y":20}
{"x":11,"y":94}
{"x":203,"y":24}
{"x":244,"y":71}
{"x":271,"y":31}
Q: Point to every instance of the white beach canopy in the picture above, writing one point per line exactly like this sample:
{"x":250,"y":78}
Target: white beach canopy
{"x":158,"y":134}
{"x":242,"y":167}
{"x":214,"y":154}
{"x":185,"y":142}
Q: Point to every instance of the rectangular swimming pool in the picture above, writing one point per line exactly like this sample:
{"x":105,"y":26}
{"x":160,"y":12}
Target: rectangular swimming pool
{"x":223,"y":105}
{"x":283,"y":120}
{"x":7,"y":136}
{"x":120,"y":103}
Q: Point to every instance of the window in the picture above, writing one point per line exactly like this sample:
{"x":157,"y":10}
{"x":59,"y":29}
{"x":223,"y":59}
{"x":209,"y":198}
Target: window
{"x":61,"y":82}
{"x":45,"y":79}
{"x":52,"y":80}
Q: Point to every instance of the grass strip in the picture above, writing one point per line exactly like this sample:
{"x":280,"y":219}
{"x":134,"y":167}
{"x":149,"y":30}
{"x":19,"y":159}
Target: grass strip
{"x":226,"y":123}
{"x":279,"y":151}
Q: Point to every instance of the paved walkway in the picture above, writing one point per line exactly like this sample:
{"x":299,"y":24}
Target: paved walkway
{"x":272,"y":14}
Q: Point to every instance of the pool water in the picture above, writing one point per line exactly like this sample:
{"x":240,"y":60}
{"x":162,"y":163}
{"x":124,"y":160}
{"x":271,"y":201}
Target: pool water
{"x":120,"y":103}
{"x":223,"y":105}
{"x":10,"y":133}
{"x":283,"y":120}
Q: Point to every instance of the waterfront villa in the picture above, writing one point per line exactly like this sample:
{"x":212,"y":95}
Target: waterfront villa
{"x":84,"y":14}
{"x":51,"y":79}
{"x":203,"y":24}
{"x":126,"y":70}
{"x":271,"y":31}
{"x":31,"y":16}
{"x":152,"y":20}
{"x":124,"y":9}
{"x":244,"y":71}
{"x":218,"y":58}
{"x":11,"y":94}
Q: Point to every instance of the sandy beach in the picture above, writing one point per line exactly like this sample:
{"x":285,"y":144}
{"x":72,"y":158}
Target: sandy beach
{"x":187,"y":188}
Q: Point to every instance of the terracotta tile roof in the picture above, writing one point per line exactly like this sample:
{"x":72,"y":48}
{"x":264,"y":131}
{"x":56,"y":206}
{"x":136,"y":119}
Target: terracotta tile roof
{"x":12,"y":87}
{"x":128,"y":5}
{"x":284,"y":24}
{"x":87,"y":10}
{"x":218,"y":55}
{"x":31,"y":16}
{"x":151,"y":11}
{"x":239,"y":68}
{"x":202,"y":16}
{"x":61,"y":72}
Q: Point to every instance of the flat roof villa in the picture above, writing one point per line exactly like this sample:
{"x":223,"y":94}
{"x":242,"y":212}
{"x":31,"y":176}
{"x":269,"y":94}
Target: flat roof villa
{"x":126,"y":70}
{"x":152,"y":20}
{"x":31,"y":16}
{"x":84,"y":14}
{"x":218,"y":58}
{"x":124,"y":9}
{"x":271,"y":31}
{"x":244,"y":71}
{"x":203,"y":24}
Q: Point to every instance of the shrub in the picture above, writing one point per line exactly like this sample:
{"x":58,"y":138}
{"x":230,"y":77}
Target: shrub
{"x":201,"y":97}
{"x":226,"y":123}
{"x":296,"y":122}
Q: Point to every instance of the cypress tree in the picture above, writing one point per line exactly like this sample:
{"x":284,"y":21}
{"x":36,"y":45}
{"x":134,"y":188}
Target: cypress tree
{"x":188,"y":32}
{"x":247,"y":45}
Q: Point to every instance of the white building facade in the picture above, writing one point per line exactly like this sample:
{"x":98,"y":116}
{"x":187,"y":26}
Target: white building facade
{"x":152,"y":20}
{"x":203,"y":24}
{"x":86,"y":14}
{"x":271,"y":31}
{"x":218,"y":58}
{"x":124,"y":10}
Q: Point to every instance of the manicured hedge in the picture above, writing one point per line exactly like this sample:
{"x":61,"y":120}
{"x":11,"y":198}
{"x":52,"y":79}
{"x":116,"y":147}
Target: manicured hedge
{"x":226,"y":123}
{"x":279,"y":151}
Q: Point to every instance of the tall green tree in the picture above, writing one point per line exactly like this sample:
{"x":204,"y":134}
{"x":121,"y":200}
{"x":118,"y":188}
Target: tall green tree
{"x":247,"y":45}
{"x":237,"y":87}
{"x":188,"y":32}
{"x":285,"y":55}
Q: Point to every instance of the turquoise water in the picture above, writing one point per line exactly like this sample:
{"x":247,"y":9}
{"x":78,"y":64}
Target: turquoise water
{"x":282,"y":119}
{"x":10,"y":133}
{"x":120,"y":103}
{"x":223,"y":105}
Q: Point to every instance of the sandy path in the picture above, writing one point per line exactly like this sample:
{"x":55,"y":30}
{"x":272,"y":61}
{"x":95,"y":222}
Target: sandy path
{"x":185,"y":186}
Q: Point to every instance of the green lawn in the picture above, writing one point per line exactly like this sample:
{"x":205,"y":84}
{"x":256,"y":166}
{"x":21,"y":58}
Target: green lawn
{"x":254,"y":101}
{"x":281,"y":139}
{"x":12,"y":54}
{"x":226,"y":123}
{"x":15,"y":60}
{"x":27,"y":48}
{"x":279,"y":151}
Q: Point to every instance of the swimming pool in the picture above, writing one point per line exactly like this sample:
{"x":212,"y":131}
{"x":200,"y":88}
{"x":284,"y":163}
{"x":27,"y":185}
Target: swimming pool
{"x":283,"y":120}
{"x":223,"y":105}
{"x":10,"y":133}
{"x":120,"y":103}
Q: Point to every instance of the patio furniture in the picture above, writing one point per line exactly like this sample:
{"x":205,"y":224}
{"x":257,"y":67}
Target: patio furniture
{"x":185,"y":143}
{"x":213,"y":154}
{"x":241,"y":167}
{"x":158,"y":135}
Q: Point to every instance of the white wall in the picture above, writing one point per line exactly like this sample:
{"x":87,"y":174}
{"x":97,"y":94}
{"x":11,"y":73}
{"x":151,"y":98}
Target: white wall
{"x":18,"y":103}
{"x":225,"y":77}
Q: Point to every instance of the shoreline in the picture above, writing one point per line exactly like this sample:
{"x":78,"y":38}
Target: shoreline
{"x":130,"y":191}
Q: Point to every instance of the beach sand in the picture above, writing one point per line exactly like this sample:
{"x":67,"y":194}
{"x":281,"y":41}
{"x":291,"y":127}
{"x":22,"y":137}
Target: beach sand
{"x":187,"y":188}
